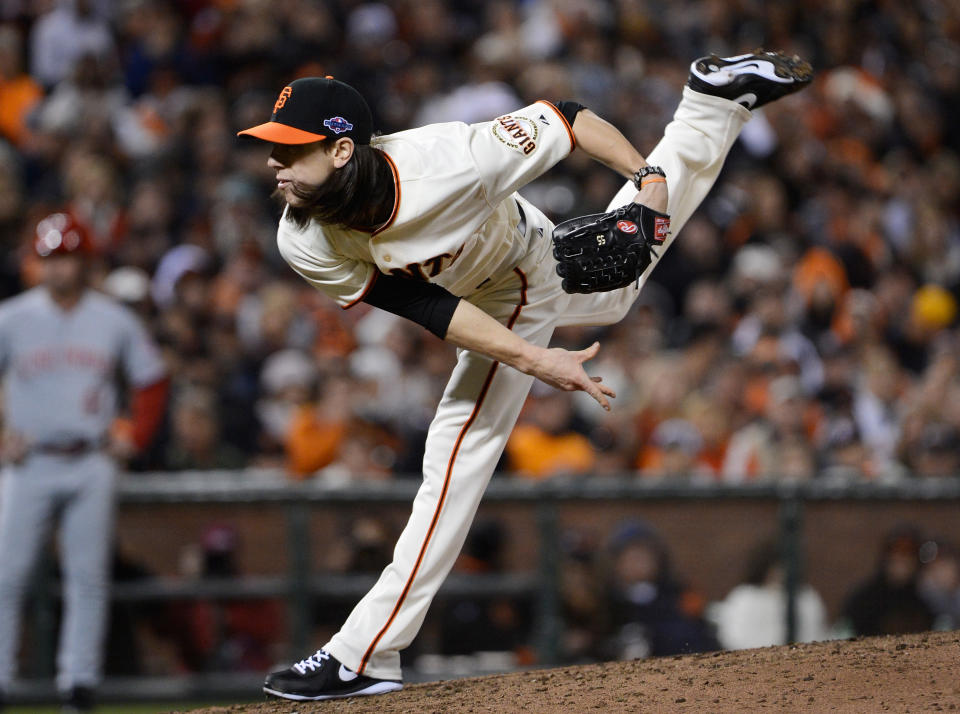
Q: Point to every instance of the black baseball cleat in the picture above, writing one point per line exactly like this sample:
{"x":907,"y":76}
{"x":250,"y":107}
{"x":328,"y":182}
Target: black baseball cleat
{"x":751,"y":80}
{"x":77,"y":701}
{"x":322,"y":676}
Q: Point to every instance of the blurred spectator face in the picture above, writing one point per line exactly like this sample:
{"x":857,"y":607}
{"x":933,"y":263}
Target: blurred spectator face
{"x":901,"y":564}
{"x":727,"y":384}
{"x":839,"y":369}
{"x":553,"y":412}
{"x":150,"y":207}
{"x":224,"y":344}
{"x":821,"y":305}
{"x":219,"y":551}
{"x":200,"y":371}
{"x":938,"y":451}
{"x":774,"y":576}
{"x":863,"y":313}
{"x":707,"y":302}
{"x":192,"y":292}
{"x":797,"y":461}
{"x":843,"y":448}
{"x":90,"y":178}
{"x":287,"y":380}
{"x":786,"y":405}
{"x":667,"y":385}
{"x":63,"y":274}
{"x":370,"y":544}
{"x":942,"y":574}
{"x":637,"y":562}
{"x":701,"y":245}
{"x":769,"y":203}
{"x":765,"y":354}
{"x":91,"y":72}
{"x":678,"y":461}
{"x":679,"y":443}
{"x":711,"y":420}
{"x":769,"y":306}
{"x":893,"y":293}
{"x":279,"y":302}
{"x":756,"y":269}
{"x":883,"y":375}
{"x":177,"y":328}
{"x":362,"y":457}
{"x":578,"y":585}
{"x":195,"y":424}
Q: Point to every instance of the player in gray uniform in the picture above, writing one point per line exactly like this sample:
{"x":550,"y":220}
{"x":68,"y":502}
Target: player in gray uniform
{"x":61,"y":347}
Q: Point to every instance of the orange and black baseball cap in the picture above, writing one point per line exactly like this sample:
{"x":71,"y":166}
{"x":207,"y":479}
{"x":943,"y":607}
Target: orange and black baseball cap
{"x":314,"y":108}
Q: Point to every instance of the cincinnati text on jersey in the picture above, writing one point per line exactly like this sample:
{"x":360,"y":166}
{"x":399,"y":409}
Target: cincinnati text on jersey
{"x":49,"y":359}
{"x":518,"y":133}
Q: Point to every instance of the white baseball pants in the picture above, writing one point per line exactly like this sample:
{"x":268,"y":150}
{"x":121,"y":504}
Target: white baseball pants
{"x":483,"y":398}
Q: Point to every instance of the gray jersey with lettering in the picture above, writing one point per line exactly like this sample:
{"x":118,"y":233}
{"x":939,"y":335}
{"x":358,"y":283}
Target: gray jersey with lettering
{"x":60,"y":365}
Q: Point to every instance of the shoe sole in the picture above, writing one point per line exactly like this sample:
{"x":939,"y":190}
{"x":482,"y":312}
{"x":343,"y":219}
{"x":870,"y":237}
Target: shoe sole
{"x":376,"y":688}
{"x":790,"y":68}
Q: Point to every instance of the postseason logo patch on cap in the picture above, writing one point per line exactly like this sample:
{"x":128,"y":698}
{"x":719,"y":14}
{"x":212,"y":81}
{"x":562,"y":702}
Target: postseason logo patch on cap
{"x":298,"y":113}
{"x":337,"y":125}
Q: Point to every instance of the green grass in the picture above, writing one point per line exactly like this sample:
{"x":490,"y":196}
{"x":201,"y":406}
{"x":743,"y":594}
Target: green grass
{"x":152,"y":708}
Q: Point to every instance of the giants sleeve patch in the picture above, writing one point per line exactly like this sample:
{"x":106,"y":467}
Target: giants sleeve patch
{"x":518,"y":133}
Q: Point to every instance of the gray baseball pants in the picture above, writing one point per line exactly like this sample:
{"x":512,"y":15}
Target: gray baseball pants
{"x":77,"y":491}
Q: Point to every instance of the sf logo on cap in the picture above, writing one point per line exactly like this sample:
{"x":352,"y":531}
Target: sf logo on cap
{"x":337,"y":125}
{"x":282,"y":99}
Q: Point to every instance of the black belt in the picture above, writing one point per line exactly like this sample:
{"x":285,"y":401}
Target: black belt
{"x":74,"y":447}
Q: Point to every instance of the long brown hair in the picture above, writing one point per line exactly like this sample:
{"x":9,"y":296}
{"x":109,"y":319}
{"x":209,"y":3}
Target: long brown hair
{"x":360,"y":194}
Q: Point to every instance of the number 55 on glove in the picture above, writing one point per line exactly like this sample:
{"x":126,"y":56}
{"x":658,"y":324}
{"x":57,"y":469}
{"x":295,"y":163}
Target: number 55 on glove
{"x":606,"y":251}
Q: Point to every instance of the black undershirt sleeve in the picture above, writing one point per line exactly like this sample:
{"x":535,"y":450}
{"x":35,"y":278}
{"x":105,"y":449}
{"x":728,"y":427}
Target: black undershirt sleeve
{"x":569,"y":110}
{"x":425,"y":303}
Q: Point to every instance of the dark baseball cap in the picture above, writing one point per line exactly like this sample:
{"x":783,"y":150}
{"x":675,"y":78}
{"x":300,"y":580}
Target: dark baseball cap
{"x":314,"y":108}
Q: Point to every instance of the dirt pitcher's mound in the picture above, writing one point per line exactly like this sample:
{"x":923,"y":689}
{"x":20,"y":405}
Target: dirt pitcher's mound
{"x":911,"y":673}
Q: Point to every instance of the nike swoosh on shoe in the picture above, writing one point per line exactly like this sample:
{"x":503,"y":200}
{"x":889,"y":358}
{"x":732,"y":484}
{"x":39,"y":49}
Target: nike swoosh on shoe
{"x":346,"y":675}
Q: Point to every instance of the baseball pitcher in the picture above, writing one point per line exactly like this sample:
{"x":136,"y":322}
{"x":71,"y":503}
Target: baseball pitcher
{"x":428,"y":224}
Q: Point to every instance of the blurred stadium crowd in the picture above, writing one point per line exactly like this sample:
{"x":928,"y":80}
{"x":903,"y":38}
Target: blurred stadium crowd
{"x":803,"y":326}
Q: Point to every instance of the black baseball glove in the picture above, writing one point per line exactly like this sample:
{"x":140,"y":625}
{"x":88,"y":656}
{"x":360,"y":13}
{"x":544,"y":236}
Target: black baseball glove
{"x":606,"y":251}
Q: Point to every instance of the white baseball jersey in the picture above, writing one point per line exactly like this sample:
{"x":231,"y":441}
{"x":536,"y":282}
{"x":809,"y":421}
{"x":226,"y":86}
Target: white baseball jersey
{"x":59,"y":365}
{"x":457,"y":223}
{"x":451,"y":224}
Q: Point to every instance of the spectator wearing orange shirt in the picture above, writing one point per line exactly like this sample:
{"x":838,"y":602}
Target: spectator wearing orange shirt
{"x":318,"y":430}
{"x":544,"y":445}
{"x":18,"y":92}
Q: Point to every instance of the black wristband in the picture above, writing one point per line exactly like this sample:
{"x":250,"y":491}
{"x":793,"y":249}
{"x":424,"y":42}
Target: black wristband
{"x":641,"y":174}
